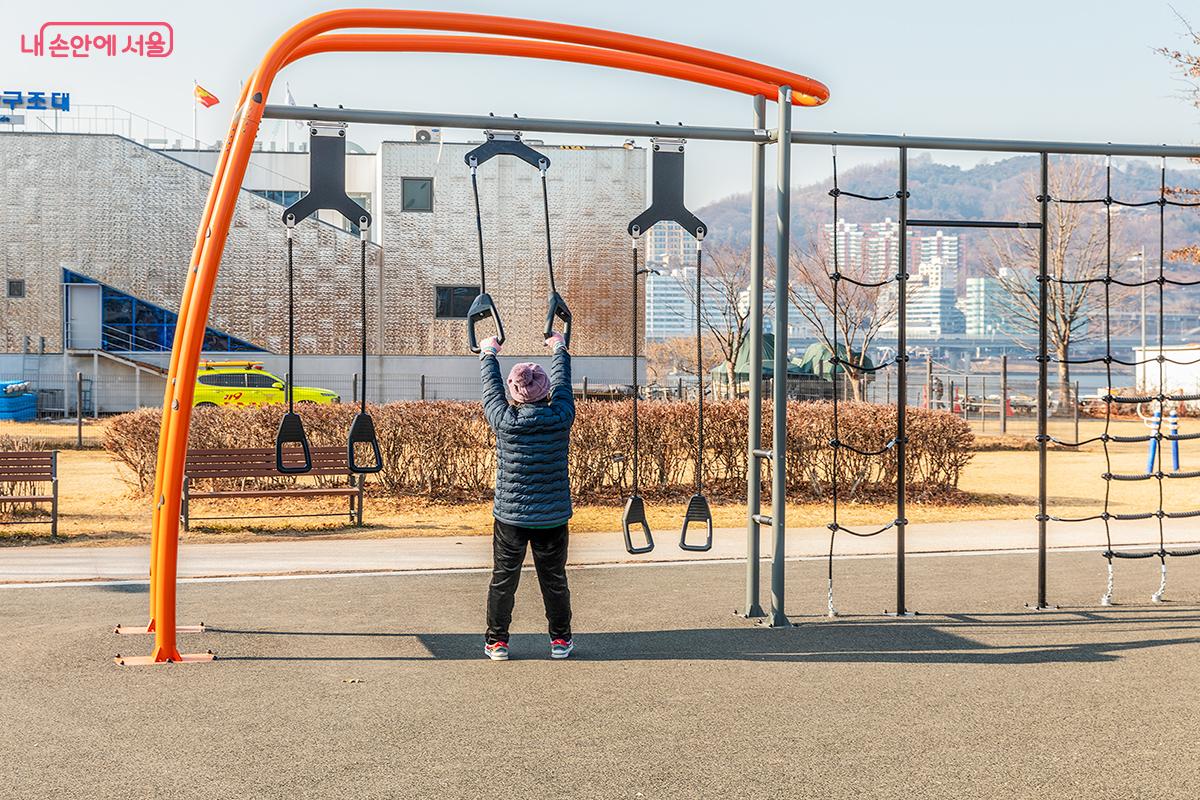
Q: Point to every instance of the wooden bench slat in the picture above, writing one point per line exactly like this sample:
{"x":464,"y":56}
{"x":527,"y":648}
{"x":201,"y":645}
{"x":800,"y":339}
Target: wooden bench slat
{"x":35,"y":498}
{"x":345,"y":492}
{"x":257,"y":472}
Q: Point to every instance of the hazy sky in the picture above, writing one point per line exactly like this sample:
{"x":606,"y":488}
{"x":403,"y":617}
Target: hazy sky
{"x":1071,"y":69}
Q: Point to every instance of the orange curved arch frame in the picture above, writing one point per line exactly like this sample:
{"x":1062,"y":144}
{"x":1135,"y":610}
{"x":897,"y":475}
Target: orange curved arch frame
{"x":547,"y":40}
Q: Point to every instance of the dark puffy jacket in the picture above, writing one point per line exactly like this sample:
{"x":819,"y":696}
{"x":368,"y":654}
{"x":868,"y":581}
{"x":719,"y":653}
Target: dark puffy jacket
{"x":532,"y":488}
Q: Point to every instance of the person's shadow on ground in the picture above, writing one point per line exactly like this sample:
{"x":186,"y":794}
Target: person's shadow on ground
{"x":953,"y":639}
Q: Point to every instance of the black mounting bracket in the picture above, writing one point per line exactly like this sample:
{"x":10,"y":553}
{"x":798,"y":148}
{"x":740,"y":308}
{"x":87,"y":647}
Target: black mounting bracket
{"x":666,"y":190}
{"x":327,"y":178}
{"x":506,"y":144}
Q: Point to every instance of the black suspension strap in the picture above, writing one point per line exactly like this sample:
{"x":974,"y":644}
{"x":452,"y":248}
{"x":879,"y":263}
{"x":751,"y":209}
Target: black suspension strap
{"x":698,"y":510}
{"x":1158,"y":399}
{"x":482,"y":307}
{"x":557,"y":307}
{"x":327,"y":190}
{"x":667,"y":205}
{"x":837,"y":365}
{"x":290,"y":433}
{"x":635,"y":509}
{"x":362,"y":429}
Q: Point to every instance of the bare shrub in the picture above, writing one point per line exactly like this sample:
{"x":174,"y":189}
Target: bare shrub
{"x":444,"y":450}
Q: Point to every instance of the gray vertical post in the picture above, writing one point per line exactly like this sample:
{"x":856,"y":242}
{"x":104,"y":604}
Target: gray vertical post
{"x":758,"y":158}
{"x":902,"y":382}
{"x":783,"y":213}
{"x":965,"y":395}
{"x":95,"y":385}
{"x":585,"y":376}
{"x":1075,"y":408}
{"x":78,"y":410}
{"x":422,"y":386}
{"x":679,"y":388}
{"x":983,"y":404}
{"x":1043,"y":360}
{"x":354,"y":388}
{"x":1004,"y":393}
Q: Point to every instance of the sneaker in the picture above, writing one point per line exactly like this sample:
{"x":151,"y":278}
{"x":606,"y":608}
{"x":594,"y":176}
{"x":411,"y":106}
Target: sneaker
{"x":497,"y":651}
{"x":561,"y":648}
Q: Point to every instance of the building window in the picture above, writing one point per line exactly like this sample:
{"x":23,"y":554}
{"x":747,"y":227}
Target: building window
{"x":453,"y":302}
{"x":284,"y":197}
{"x":129,"y":323}
{"x":16,"y":288}
{"x":228,"y":380}
{"x":261,"y":381}
{"x":416,"y":194}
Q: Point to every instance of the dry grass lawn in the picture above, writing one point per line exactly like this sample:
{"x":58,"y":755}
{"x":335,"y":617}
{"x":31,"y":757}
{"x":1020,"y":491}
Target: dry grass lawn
{"x":98,"y":507}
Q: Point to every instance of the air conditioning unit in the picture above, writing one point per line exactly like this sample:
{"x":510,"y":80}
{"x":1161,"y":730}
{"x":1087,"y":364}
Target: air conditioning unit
{"x":428,"y":134}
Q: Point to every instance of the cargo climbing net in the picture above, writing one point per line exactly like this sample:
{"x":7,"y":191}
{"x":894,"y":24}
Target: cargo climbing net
{"x":842,"y":360}
{"x":1160,"y":400}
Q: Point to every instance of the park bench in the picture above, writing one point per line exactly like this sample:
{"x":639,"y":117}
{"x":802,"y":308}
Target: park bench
{"x":240,"y":465}
{"x":19,"y":468}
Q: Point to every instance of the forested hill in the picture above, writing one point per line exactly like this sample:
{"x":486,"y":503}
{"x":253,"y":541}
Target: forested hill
{"x":1003,"y":189}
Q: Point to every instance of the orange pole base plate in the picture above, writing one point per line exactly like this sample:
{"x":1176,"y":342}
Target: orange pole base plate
{"x":149,"y":661}
{"x":141,"y":630}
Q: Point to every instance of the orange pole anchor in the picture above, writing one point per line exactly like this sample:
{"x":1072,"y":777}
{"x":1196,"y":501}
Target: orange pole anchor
{"x":600,"y":47}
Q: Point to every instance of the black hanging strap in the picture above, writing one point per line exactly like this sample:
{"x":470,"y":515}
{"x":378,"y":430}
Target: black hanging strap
{"x":362,"y":428}
{"x":557,"y":307}
{"x":635,"y":510}
{"x":291,"y":427}
{"x":483,"y":307}
{"x":697,"y":507}
{"x":327,"y":190}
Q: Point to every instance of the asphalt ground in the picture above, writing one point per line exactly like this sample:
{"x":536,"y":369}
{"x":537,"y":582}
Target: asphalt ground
{"x":375,"y":687}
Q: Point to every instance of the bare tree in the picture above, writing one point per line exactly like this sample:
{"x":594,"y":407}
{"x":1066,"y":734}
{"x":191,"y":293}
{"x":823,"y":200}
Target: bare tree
{"x":724,"y":316}
{"x":1077,"y":257}
{"x":1187,"y":65}
{"x":861,"y":311}
{"x":675,"y":355}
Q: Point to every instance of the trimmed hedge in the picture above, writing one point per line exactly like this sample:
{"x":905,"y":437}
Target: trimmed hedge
{"x":444,"y":450}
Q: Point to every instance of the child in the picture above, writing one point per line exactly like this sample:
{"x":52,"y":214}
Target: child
{"x":533,"y":494}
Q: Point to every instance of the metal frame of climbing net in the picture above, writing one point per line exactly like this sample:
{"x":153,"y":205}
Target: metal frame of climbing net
{"x":507,"y":36}
{"x":895,"y":447}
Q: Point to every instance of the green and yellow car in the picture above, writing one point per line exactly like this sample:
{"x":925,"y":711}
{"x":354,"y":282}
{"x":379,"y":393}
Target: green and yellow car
{"x":246,"y":383}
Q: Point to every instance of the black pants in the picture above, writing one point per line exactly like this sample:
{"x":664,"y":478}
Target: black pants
{"x":549,"y":559}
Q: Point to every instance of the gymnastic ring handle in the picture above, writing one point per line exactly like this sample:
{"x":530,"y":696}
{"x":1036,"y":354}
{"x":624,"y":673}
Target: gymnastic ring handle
{"x":362,"y":431}
{"x":558,"y":309}
{"x":481,"y":308}
{"x":634,"y":515}
{"x":291,"y":431}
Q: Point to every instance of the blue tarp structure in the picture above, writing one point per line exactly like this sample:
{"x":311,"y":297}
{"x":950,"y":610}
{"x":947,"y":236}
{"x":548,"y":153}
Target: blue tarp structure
{"x":17,"y":402}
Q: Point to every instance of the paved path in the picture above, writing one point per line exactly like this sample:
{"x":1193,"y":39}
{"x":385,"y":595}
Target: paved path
{"x":375,"y":688}
{"x":329,"y":554}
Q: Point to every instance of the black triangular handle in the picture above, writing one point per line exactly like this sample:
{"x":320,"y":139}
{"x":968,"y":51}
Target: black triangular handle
{"x":482,"y":308}
{"x":558,"y":310}
{"x":291,"y":431}
{"x":362,"y":431}
{"x":697,"y":511}
{"x":635,"y":514}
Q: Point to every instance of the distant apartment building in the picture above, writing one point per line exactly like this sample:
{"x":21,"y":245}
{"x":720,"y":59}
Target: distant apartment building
{"x":669,"y":246}
{"x":983,"y":306}
{"x":671,"y":304}
{"x":849,"y":241}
